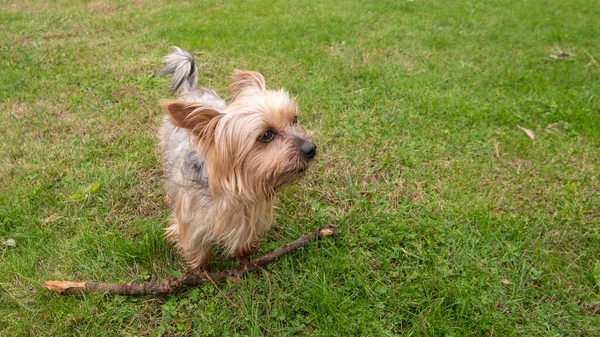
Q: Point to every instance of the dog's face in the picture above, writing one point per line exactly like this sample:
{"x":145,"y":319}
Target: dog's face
{"x":252,"y":147}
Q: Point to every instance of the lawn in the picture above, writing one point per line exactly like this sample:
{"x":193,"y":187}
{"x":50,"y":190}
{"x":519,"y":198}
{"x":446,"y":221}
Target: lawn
{"x":453,"y":221}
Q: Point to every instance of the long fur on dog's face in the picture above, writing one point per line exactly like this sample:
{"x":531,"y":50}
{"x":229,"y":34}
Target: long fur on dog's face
{"x":253,"y":146}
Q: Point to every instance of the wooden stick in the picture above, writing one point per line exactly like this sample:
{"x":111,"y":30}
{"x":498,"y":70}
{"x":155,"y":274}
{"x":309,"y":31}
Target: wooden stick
{"x":186,"y":281}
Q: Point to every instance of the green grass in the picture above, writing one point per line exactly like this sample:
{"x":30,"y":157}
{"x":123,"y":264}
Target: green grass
{"x":452,"y":221}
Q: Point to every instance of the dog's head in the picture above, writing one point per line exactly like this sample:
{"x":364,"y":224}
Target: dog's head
{"x":253,"y":146}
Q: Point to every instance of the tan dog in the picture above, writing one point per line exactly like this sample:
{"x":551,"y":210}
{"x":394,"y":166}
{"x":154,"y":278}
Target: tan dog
{"x":223,"y":162}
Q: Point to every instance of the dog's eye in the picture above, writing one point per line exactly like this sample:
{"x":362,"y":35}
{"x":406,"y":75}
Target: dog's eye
{"x":295,"y":120}
{"x":267,"y":136}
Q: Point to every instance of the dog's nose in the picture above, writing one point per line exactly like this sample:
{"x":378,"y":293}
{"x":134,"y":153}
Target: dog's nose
{"x":308,"y":149}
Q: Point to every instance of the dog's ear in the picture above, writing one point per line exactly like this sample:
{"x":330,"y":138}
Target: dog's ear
{"x":198,"y":118}
{"x":242,"y":79}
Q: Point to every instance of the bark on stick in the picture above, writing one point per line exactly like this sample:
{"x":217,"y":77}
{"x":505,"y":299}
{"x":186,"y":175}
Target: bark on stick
{"x":187,"y":281}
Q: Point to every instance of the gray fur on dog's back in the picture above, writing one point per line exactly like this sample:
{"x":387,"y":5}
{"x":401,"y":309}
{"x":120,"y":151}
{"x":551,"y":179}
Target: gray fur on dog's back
{"x":177,"y":144}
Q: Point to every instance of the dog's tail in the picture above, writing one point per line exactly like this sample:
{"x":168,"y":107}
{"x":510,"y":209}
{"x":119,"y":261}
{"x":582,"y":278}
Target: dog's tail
{"x":180,"y":64}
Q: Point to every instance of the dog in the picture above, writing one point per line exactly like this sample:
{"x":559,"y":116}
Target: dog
{"x":224,"y":161}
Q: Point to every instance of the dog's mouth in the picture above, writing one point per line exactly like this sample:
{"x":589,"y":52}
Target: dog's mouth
{"x":296,"y":172}
{"x":290,"y":175}
{"x":303,"y":166}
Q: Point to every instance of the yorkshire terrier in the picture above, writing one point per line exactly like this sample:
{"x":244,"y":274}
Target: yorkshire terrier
{"x":224,"y":161}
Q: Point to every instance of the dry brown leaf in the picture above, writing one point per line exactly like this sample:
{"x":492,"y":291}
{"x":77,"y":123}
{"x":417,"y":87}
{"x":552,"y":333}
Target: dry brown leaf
{"x":528,"y":132}
{"x":497,"y":149}
{"x":554,"y":127}
{"x":506,"y":281}
{"x":9,"y":243}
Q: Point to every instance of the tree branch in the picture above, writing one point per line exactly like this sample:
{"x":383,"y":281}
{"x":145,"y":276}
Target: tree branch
{"x":186,"y":281}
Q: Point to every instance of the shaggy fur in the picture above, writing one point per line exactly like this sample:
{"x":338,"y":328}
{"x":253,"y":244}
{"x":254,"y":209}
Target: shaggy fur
{"x":223,"y":162}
